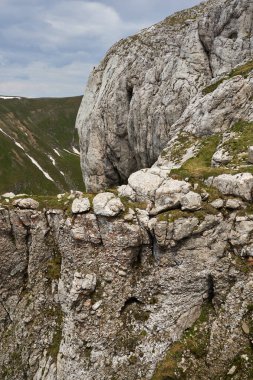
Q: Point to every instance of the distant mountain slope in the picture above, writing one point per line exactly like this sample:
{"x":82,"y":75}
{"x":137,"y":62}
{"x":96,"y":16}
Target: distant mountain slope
{"x":39,"y":150}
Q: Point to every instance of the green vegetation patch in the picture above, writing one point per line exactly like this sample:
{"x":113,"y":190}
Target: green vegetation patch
{"x":238,"y":146}
{"x":45,"y":129}
{"x":199,"y":167}
{"x":173,"y":215}
{"x":195,"y":340}
{"x":54,"y":266}
{"x":54,"y":347}
{"x":180,"y":146}
{"x":243,"y":70}
{"x":181,"y":17}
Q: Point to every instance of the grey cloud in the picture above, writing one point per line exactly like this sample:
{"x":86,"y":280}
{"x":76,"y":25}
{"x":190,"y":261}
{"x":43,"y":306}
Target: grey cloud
{"x":48,"y":47}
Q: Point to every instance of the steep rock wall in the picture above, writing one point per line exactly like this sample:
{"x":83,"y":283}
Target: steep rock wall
{"x":91,"y":297}
{"x":145,"y":83}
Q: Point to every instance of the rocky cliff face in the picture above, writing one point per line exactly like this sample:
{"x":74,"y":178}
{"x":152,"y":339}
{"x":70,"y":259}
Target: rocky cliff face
{"x":152,"y":280}
{"x":145,"y":83}
{"x":90,"y":296}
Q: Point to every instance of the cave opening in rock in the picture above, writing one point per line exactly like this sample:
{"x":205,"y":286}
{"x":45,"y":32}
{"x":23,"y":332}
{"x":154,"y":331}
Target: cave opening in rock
{"x":130,"y":301}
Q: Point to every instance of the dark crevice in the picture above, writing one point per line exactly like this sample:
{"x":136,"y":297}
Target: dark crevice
{"x":130,"y":301}
{"x":210,"y":284}
{"x":130,"y":93}
{"x":136,"y":263}
{"x":12,"y":233}
{"x":154,"y":245}
{"x":119,"y":180}
{"x":233,"y":36}
{"x":27,"y":243}
{"x":208,"y":55}
{"x":7,"y":312}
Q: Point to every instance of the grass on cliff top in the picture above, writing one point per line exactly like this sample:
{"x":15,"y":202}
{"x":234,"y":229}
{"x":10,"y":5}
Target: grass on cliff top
{"x":51,"y":202}
{"x":199,"y":167}
{"x":179,"y":18}
{"x":172,"y":215}
{"x":243,"y":70}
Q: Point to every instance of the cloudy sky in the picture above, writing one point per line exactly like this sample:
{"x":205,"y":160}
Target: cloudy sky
{"x":48,"y":47}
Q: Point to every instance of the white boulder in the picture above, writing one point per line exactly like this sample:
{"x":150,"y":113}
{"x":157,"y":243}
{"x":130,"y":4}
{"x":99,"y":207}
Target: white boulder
{"x":191,"y":201}
{"x":221,"y":157}
{"x":144,"y":183}
{"x":107,"y":204}
{"x":168,"y":196}
{"x":80,"y":205}
{"x":26,"y":203}
{"x":240,"y":185}
{"x":233,"y":204}
{"x":217,"y":203}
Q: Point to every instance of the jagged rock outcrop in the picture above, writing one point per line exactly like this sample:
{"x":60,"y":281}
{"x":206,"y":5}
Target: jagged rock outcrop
{"x":146,"y":82}
{"x":152,"y":280}
{"x":94,"y":297}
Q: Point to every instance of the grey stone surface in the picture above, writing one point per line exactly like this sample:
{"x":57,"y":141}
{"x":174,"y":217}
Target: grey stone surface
{"x":239,"y":185}
{"x":69,"y":312}
{"x":136,"y":96}
{"x":191,"y":201}
{"x":233,"y":204}
{"x":170,"y":194}
{"x":250,"y":154}
{"x":221,"y":157}
{"x":80,"y":205}
{"x":107,"y":204}
{"x":26,"y":203}
{"x":217,"y":203}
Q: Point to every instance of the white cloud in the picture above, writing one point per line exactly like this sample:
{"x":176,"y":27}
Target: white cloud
{"x":48,"y":47}
{"x":39,"y":79}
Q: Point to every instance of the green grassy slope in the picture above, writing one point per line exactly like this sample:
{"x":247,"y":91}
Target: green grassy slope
{"x":45,"y":129}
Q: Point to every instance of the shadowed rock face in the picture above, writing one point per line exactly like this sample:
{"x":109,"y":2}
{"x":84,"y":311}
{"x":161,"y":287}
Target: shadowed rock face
{"x":146,"y":81}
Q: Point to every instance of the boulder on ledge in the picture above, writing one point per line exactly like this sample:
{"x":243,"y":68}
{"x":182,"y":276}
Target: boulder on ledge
{"x":107,"y":204}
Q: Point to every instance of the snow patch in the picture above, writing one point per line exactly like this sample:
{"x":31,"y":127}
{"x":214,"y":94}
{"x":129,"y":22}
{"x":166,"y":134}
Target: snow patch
{"x":40,"y":168}
{"x":76,"y":150}
{"x":10,"y":97}
{"x":6,"y":134}
{"x":15,"y":142}
{"x":56,"y":151}
{"x":19,"y":145}
{"x":68,"y":151}
{"x":62,"y":174}
{"x":52,"y":159}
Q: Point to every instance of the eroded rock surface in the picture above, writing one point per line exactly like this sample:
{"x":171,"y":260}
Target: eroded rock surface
{"x":100,"y":297}
{"x":145,"y":83}
{"x":158,"y":283}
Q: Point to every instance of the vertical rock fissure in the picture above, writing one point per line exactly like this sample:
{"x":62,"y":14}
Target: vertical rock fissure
{"x":208,"y":55}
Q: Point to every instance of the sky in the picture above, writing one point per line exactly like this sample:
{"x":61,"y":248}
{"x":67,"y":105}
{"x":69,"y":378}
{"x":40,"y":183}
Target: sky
{"x":48,"y":47}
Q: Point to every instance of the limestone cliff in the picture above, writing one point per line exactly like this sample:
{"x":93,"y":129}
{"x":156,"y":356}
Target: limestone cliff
{"x":92,"y":296}
{"x":146,"y":81}
{"x":152,"y":280}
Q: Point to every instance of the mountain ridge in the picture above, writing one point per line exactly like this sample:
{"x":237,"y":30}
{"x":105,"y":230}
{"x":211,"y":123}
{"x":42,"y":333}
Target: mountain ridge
{"x":38,"y":140}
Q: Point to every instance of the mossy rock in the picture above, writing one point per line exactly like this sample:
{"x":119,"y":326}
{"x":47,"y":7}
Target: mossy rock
{"x":243,"y":70}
